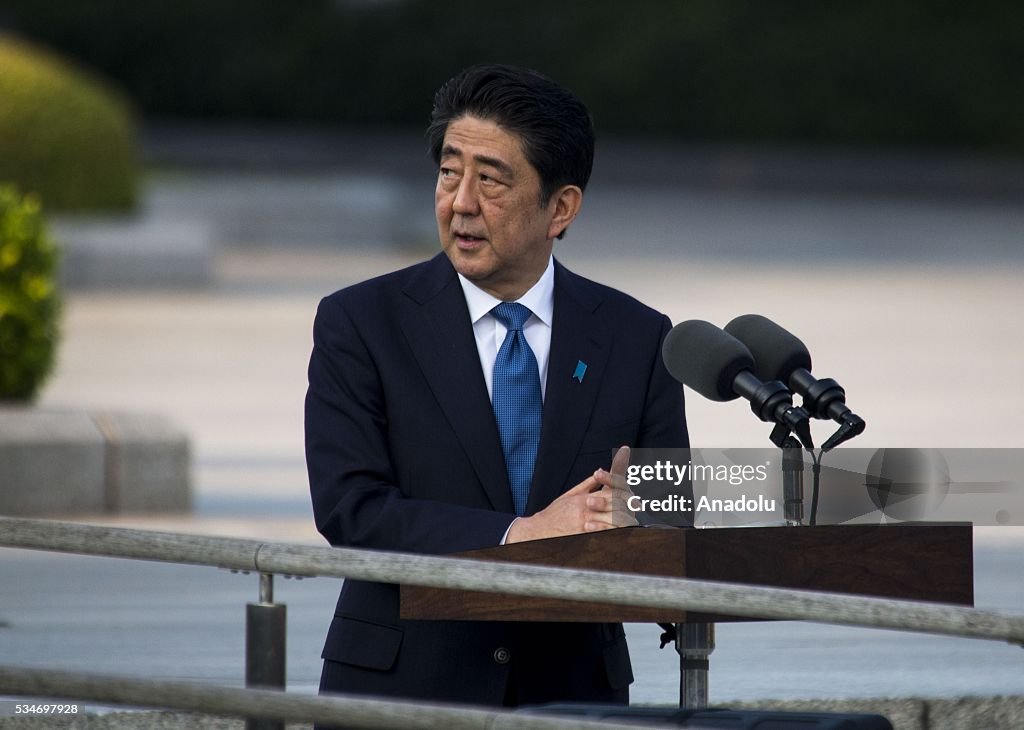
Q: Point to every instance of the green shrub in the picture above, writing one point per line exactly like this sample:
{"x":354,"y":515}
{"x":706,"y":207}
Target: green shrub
{"x":29,"y":297}
{"x":63,"y":134}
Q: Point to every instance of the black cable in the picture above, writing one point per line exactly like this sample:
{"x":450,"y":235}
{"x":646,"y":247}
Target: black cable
{"x":816,"y":470}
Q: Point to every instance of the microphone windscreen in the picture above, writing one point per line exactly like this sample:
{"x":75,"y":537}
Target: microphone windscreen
{"x":702,"y":356}
{"x":777,"y":351}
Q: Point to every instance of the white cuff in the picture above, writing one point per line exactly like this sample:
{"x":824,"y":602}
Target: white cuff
{"x":505,"y":536}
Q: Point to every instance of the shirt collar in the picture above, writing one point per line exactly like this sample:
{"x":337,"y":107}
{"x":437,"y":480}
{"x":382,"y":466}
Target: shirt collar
{"x":540,"y":299}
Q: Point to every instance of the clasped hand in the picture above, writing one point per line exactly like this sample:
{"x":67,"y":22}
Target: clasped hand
{"x":599,"y":502}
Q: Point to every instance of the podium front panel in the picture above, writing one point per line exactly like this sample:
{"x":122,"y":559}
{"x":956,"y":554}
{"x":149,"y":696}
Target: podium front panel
{"x":925,"y":562}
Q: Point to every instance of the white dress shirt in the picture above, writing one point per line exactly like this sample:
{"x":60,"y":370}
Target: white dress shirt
{"x":490,"y":333}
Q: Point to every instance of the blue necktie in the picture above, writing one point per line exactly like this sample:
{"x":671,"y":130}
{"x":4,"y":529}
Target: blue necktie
{"x":517,"y":401}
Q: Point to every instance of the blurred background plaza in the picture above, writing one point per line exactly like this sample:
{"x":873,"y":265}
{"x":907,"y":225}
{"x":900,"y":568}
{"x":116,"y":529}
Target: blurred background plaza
{"x":855,"y":173}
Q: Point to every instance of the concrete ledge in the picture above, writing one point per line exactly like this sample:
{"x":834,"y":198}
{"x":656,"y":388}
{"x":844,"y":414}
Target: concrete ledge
{"x":904,"y":714}
{"x":50,"y":463}
{"x":960,"y":713}
{"x":975,"y":712}
{"x":134,"y":253}
{"x":55,"y":462}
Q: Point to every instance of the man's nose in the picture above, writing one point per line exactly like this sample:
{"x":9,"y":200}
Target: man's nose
{"x":465,"y":202}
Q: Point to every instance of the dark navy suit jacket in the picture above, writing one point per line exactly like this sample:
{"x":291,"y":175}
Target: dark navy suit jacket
{"x":403,"y":454}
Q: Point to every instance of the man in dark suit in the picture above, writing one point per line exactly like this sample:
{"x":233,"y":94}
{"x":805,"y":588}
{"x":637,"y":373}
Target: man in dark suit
{"x":436,"y":421}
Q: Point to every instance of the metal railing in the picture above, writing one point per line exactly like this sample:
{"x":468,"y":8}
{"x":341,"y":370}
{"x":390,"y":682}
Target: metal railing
{"x":517,"y":579}
{"x":350,"y":711}
{"x":269,"y":558}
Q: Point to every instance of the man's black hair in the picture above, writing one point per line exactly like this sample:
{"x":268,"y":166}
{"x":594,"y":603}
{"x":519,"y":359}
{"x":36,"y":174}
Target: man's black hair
{"x":554,"y":126}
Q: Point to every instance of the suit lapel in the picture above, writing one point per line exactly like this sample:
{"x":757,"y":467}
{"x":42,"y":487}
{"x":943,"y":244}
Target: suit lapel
{"x":577,"y":335}
{"x":436,"y":324}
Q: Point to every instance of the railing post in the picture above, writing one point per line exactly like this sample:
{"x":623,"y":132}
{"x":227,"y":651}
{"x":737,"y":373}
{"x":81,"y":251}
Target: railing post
{"x":265,"y":642}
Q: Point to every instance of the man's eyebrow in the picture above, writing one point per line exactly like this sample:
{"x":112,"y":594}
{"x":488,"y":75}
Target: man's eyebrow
{"x":500,"y":165}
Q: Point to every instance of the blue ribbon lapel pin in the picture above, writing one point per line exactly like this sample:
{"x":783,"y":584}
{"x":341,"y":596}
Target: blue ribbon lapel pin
{"x":581,"y":370}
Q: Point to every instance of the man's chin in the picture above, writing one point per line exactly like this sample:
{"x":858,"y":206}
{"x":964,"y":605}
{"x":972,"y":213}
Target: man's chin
{"x":470,"y":264}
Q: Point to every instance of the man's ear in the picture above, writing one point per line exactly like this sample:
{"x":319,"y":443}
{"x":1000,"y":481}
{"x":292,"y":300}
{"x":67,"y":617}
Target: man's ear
{"x":566,"y":202}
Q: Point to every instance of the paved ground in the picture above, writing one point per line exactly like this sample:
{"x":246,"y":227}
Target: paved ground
{"x":912,"y":305}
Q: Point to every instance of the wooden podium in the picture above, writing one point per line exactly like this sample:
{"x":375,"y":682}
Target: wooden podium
{"x":918,"y":562}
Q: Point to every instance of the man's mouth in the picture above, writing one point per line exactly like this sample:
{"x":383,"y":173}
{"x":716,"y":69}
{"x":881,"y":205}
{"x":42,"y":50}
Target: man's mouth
{"x":467,"y":239}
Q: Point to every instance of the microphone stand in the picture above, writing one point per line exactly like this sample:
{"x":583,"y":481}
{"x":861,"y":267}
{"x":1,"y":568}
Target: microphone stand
{"x":695,"y":641}
{"x":792,"y":475}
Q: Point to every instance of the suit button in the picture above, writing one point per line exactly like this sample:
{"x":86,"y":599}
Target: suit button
{"x":502,"y":655}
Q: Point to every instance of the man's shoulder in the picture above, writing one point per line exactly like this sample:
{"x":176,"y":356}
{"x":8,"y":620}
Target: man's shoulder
{"x":377,"y":290}
{"x":609,"y":301}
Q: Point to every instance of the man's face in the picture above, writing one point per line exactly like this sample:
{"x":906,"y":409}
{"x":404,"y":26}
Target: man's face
{"x":487,"y":203}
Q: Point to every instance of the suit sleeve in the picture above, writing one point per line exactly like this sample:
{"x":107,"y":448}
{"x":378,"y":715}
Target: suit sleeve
{"x":664,"y":422}
{"x":357,"y":501}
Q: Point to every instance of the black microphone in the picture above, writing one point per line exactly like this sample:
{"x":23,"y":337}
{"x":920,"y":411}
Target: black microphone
{"x":780,"y":355}
{"x":720,"y":368}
